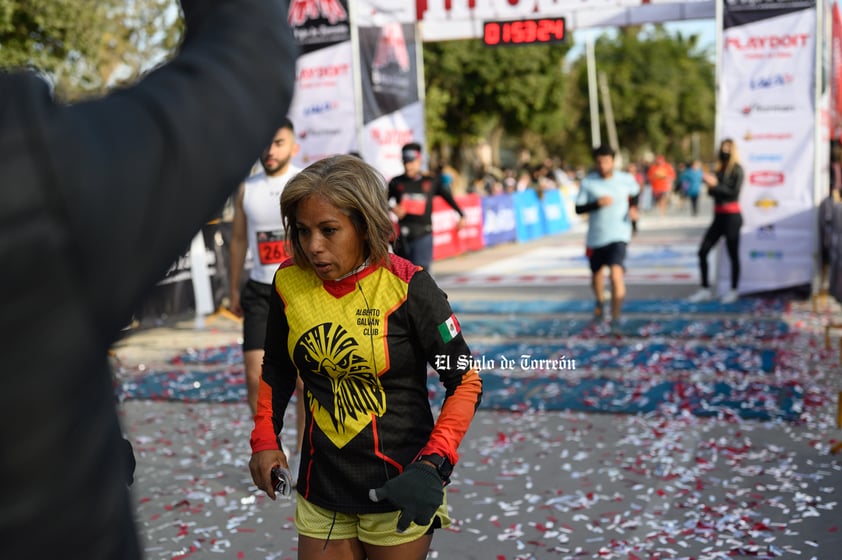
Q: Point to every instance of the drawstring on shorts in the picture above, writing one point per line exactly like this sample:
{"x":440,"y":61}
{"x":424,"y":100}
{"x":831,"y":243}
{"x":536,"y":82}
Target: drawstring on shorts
{"x":329,"y":532}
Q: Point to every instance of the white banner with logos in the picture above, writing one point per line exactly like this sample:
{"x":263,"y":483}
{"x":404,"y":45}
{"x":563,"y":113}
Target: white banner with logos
{"x":766,"y":105}
{"x":322,"y":109}
{"x":360,"y":81}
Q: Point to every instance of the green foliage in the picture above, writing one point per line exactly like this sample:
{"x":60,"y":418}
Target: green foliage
{"x":86,"y":47}
{"x":490,"y":91}
{"x":661,"y":88}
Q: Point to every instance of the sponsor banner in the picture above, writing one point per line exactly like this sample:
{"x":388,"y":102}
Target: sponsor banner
{"x":768,"y":68}
{"x":319,"y":23}
{"x":445,"y":20}
{"x":383,"y":138}
{"x":773,"y":256}
{"x":392,"y":110}
{"x":743,"y":12}
{"x":448,"y":240}
{"x":553,"y":213}
{"x":778,"y":163}
{"x":371,"y":13}
{"x":528,"y":222}
{"x":766,"y":104}
{"x":836,"y":73}
{"x":389,"y":68}
{"x":499,"y":223}
{"x":322,"y":108}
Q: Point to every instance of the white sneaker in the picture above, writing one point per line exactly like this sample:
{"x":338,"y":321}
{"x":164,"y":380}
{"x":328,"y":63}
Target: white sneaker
{"x":730,"y":297}
{"x":704,"y":294}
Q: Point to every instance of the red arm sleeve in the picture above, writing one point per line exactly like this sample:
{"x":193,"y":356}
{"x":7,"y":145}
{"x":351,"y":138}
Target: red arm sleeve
{"x":277,"y":382}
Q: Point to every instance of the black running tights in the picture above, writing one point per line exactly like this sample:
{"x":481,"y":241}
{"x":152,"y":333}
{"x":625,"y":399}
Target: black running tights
{"x":728,"y":225}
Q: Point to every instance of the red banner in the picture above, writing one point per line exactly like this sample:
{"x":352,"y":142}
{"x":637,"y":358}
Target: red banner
{"x":836,"y":75}
{"x":448,"y":241}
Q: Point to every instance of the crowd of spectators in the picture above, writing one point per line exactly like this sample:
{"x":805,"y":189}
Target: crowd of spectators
{"x":682,"y":191}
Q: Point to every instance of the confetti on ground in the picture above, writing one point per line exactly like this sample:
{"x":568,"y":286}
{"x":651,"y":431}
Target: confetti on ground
{"x":732,"y":462}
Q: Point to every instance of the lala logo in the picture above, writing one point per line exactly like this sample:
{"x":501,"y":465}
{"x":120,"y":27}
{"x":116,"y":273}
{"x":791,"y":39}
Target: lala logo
{"x":771,"y":81}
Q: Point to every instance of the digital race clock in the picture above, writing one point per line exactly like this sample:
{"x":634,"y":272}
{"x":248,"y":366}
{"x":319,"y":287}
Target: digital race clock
{"x":524,"y":32}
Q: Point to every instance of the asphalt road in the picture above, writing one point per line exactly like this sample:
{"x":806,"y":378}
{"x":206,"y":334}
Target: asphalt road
{"x":530,"y":484}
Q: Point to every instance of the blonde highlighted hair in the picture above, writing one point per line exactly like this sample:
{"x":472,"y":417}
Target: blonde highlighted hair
{"x":356,"y":189}
{"x":733,"y":158}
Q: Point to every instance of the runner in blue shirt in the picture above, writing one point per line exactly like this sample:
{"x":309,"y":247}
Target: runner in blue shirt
{"x":609,"y":197}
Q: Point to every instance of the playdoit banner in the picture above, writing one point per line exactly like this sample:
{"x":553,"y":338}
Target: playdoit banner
{"x":767,"y":106}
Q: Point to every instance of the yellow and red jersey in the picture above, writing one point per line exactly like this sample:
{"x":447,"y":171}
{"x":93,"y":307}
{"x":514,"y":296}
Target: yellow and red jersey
{"x":362,"y":346}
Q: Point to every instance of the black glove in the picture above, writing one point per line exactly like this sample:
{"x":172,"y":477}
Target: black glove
{"x":418,"y":492}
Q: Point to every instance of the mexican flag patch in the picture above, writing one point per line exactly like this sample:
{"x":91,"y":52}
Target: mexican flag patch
{"x":449,"y":329}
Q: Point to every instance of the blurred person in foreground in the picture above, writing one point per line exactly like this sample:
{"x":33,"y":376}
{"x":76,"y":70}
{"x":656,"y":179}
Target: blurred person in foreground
{"x":360,"y":326}
{"x":98,"y":199}
{"x":609,"y":197}
{"x":724,"y":186}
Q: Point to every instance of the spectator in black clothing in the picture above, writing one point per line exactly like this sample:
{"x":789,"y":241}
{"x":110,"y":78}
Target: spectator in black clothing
{"x":724,"y":187}
{"x":97,"y":200}
{"x":411,"y":199}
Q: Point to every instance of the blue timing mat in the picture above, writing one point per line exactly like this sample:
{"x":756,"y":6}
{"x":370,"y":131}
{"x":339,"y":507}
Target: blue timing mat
{"x":649,"y":357}
{"x":750,"y":401}
{"x":597,"y":394}
{"x":554,"y":363}
{"x":730,"y":329}
{"x":672,"y":306}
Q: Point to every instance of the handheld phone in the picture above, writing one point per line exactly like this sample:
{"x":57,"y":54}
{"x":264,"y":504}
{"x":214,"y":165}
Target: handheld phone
{"x":282,"y":481}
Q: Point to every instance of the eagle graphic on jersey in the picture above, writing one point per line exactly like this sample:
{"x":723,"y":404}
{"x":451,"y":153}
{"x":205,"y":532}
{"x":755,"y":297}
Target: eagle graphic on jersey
{"x":344,"y":389}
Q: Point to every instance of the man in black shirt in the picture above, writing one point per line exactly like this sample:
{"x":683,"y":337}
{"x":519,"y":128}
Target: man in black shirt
{"x":411,"y":199}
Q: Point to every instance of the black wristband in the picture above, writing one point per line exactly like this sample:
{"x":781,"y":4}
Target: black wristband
{"x":443,"y":465}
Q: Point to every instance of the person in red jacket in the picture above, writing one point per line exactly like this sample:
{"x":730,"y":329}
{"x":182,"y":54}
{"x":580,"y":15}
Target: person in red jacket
{"x":661,"y":176}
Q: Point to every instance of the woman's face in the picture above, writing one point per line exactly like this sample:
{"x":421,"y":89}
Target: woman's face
{"x":328,"y":237}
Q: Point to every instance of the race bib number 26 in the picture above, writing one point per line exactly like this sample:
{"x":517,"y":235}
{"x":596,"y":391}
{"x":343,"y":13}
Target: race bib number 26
{"x":270,"y":246}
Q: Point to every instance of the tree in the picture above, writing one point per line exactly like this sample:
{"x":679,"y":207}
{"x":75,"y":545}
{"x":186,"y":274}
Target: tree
{"x":479,"y":93}
{"x":87,"y":47}
{"x":662,"y":89}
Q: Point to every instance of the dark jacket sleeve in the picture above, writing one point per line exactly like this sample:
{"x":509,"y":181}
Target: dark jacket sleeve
{"x":445,"y":193}
{"x":587,"y":208}
{"x":140,"y":171}
{"x":729,"y":186}
{"x":96,"y":200}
